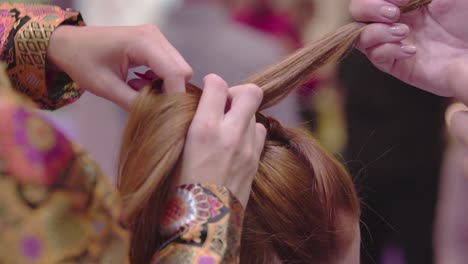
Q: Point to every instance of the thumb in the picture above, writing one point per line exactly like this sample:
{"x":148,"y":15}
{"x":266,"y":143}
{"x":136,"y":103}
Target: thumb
{"x":457,"y":121}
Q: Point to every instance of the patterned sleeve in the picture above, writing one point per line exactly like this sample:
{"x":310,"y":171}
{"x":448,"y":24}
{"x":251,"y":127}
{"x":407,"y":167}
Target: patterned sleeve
{"x":25,"y":30}
{"x":55,"y":204}
{"x":204,"y":224}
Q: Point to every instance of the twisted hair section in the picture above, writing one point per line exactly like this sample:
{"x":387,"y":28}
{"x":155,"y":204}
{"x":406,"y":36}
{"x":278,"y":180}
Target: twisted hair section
{"x":300,"y":194}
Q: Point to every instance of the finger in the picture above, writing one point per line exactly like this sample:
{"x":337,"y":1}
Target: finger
{"x":148,"y":75}
{"x":178,"y":58}
{"x":452,"y":109}
{"x":173,"y":81}
{"x":150,"y":48}
{"x":377,"y":34}
{"x":174,"y":85}
{"x":260,"y":134}
{"x":213,"y":99}
{"x":121,"y":93}
{"x":138,"y":84}
{"x":384,"y":56}
{"x":459,"y":126}
{"x":245,"y":102}
{"x":375,"y":11}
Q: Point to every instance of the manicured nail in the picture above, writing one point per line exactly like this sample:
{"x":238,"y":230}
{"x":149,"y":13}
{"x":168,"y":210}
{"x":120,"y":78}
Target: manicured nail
{"x":399,"y":30}
{"x":410,"y":49}
{"x":389,"y":12}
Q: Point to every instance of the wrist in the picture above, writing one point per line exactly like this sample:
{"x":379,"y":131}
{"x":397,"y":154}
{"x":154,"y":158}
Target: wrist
{"x":58,"y":43}
{"x":190,"y":205}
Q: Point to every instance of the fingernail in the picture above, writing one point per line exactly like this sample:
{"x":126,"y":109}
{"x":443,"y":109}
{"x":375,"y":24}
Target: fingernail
{"x":142,"y":76}
{"x":410,"y":49}
{"x":399,"y":31}
{"x":389,"y":12}
{"x":151,"y":75}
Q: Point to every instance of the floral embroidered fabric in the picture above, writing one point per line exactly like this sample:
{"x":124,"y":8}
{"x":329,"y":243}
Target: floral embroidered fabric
{"x":25,"y":30}
{"x":55,"y":204}
{"x":204,"y":223}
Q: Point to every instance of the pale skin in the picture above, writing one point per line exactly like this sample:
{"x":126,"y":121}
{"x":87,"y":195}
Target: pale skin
{"x":421,"y":48}
{"x":457,"y":115}
{"x":232,"y":141}
{"x":427,"y":48}
{"x":224,"y":125}
{"x":101,"y":67}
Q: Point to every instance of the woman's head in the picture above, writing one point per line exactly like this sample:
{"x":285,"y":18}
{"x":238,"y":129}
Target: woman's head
{"x":302,"y":207}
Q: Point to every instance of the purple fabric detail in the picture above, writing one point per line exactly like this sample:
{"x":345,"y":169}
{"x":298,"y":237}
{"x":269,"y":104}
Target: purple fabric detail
{"x":31,"y":247}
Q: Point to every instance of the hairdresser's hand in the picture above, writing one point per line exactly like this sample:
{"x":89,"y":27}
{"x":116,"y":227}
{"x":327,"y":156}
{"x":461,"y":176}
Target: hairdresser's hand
{"x":98,"y":58}
{"x":457,"y":121}
{"x":223,"y":148}
{"x":457,"y":114}
{"x":420,"y":56}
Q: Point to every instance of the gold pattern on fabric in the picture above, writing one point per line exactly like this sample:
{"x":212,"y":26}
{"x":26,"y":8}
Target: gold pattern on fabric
{"x":204,"y":224}
{"x":25,"y":31}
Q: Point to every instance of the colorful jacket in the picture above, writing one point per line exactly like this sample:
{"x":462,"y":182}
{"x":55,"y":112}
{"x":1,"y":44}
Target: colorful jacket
{"x":56,"y":206}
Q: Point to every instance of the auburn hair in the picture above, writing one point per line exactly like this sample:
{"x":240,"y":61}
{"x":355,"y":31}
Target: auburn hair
{"x":299,"y":194}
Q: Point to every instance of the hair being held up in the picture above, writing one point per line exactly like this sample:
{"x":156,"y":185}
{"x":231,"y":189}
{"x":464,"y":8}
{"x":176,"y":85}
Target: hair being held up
{"x":301,"y":199}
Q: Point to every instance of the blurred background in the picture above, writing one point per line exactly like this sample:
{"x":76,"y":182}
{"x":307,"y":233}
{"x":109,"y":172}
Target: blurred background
{"x":390,"y":136}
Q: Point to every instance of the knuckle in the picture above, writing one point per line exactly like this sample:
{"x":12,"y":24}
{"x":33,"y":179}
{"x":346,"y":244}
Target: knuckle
{"x":187,"y":71}
{"x":261,"y":130}
{"x":378,"y":58}
{"x":250,"y":159}
{"x":254,"y":91}
{"x":358,"y":12}
{"x":231,"y":144}
{"x":249,"y":155}
{"x":203,"y":131}
{"x":142,"y":33}
{"x":215,"y":80}
{"x":180,"y":72}
{"x":378,"y":55}
{"x":151,"y":29}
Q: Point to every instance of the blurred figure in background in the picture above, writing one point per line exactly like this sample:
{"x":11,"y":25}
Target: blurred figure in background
{"x":451,"y":229}
{"x":206,"y":35}
{"x":283,"y":20}
{"x":395,"y":149}
{"x":321,"y":100}
{"x":292,"y":23}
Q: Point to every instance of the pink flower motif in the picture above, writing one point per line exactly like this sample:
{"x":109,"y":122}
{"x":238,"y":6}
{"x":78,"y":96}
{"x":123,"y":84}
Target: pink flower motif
{"x":32,"y":149}
{"x":215,"y":205}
